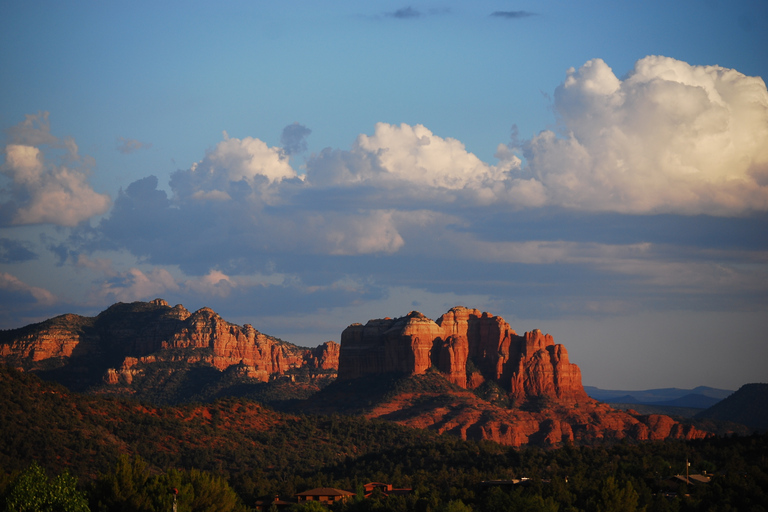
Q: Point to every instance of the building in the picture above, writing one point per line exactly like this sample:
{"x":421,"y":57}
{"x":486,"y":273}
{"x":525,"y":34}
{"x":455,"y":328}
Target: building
{"x":325,"y":495}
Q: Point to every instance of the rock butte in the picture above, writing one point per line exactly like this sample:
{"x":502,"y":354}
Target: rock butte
{"x":471,"y":348}
{"x":526,"y":366}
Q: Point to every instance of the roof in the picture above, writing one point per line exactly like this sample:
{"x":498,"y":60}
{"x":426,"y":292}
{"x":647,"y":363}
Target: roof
{"x":694,"y":479}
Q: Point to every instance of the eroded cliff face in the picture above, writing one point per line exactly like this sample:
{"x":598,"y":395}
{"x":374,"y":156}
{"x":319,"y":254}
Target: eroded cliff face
{"x":131,"y":336}
{"x":469,"y":348}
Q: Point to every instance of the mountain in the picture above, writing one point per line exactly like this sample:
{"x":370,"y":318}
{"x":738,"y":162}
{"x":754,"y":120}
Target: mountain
{"x":662,"y":396}
{"x":156,"y":351}
{"x":748,"y":406}
{"x":693,"y":400}
{"x":470,"y":374}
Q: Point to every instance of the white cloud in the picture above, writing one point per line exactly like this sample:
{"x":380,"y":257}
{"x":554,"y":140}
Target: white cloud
{"x":671,"y":137}
{"x":415,"y":154}
{"x":236,"y":159}
{"x":24,"y":164}
{"x":46,"y":193}
{"x":62,"y":197}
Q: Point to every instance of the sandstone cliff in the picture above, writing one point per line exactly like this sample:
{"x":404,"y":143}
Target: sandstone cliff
{"x":125,"y":338}
{"x":476,"y":355}
{"x":468,"y":373}
{"x":469,"y":348}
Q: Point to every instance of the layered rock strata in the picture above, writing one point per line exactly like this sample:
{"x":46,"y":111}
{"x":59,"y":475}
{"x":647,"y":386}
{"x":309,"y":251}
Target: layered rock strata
{"x":469,"y":348}
{"x":133,"y":335}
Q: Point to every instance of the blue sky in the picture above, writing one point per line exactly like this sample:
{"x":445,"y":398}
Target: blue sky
{"x":598,"y":170}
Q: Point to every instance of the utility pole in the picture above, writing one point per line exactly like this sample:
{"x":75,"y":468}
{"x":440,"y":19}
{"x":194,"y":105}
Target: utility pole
{"x":687,"y":465}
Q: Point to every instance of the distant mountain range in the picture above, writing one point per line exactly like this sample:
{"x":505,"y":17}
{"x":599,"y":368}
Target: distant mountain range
{"x":700,"y":397}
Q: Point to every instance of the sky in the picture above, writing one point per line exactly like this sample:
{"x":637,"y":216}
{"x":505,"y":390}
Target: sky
{"x":594,"y":169}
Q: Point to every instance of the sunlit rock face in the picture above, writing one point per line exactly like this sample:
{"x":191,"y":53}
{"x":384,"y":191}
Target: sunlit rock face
{"x":544,"y":402}
{"x":144,"y":333}
{"x":468,"y":347}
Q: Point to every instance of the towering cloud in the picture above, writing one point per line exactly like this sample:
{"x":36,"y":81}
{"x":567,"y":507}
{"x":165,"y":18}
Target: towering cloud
{"x":670,"y":137}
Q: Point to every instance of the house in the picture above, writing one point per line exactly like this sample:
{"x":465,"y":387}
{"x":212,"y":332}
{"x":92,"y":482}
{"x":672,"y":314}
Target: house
{"x":325,"y":495}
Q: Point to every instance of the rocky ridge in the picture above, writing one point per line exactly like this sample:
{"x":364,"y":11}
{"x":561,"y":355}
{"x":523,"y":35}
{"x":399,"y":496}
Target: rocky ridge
{"x":127,"y":338}
{"x":468,"y":373}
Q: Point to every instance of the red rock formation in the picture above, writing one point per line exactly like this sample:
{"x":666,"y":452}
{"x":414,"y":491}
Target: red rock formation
{"x":527,"y":366}
{"x":452,"y":354}
{"x":402,"y":345}
{"x":324,"y":357}
{"x":461,"y":413}
{"x":54,"y":338}
{"x":133,"y":333}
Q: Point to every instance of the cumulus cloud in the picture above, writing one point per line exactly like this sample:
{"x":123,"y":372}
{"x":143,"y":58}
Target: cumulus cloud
{"x":245,"y":159}
{"x":407,"y":156}
{"x":402,"y":205}
{"x":234,"y":168}
{"x":670,"y":137}
{"x":42,"y":192}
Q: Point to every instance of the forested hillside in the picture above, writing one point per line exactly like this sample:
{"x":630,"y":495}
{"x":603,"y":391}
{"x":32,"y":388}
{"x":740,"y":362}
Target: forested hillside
{"x":246,"y":451}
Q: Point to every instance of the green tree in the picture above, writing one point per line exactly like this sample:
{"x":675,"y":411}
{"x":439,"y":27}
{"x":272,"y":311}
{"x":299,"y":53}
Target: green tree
{"x":456,"y":506}
{"x":198,"y":491}
{"x":614,"y":498}
{"x":123,"y":489}
{"x":32,"y":491}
